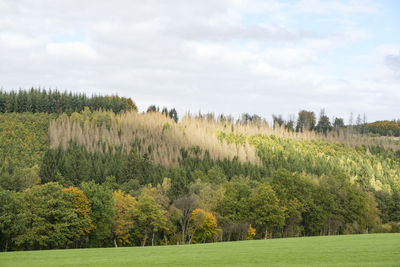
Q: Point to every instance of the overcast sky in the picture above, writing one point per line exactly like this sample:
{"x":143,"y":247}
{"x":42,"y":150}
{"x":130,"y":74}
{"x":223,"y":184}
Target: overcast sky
{"x":263,"y":57}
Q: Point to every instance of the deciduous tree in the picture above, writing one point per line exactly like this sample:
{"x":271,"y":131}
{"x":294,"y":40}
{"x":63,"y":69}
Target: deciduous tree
{"x":149,"y":218}
{"x":102,"y":215}
{"x":203,"y":226}
{"x":123,"y":218}
{"x":267,"y":214}
{"x":52,"y":221}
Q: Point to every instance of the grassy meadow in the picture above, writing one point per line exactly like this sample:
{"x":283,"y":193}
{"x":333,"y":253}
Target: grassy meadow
{"x":348,"y":250}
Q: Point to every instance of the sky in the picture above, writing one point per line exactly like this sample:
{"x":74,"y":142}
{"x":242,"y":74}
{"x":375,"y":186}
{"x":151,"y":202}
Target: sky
{"x":224,"y":56}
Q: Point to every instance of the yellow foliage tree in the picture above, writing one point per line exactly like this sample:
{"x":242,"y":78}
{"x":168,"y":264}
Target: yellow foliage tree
{"x":203,"y":226}
{"x":82,"y":207}
{"x":251,"y":233}
{"x":372,"y":215}
{"x":123,"y":221}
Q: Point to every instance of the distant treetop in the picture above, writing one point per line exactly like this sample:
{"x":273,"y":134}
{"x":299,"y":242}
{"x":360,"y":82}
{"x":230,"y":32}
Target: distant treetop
{"x":54,"y":101}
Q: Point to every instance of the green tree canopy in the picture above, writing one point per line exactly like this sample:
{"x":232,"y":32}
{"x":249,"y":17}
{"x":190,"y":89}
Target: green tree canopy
{"x":52,"y":220}
{"x":149,"y":217}
{"x":102,"y":215}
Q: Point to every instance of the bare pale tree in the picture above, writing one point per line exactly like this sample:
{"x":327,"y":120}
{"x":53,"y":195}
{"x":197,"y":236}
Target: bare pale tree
{"x":186,"y":205}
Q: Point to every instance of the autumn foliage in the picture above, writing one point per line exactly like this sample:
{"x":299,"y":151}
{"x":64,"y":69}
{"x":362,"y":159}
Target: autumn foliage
{"x":82,"y":206}
{"x":203,"y":226}
{"x":123,"y":220}
{"x":251,"y":232}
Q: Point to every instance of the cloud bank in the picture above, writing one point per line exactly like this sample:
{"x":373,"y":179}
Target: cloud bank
{"x":235,"y":56}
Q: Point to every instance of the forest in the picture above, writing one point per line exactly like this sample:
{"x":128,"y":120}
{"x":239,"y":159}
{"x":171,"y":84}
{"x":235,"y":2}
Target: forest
{"x":80,"y":172}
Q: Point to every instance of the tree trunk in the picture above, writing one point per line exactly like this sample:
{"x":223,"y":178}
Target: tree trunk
{"x":144,"y":239}
{"x":185,"y":227}
{"x":152,"y":240}
{"x":183,"y":235}
{"x":266,"y":233}
{"x":115,"y":242}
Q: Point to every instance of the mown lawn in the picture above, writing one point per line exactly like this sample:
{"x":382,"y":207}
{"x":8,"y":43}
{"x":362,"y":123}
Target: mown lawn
{"x":349,"y":250}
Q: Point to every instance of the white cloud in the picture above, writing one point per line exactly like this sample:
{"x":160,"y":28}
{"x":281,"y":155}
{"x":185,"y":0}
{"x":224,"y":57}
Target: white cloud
{"x":18,"y":42}
{"x":71,"y":51}
{"x":228,"y":56}
{"x":393,"y":61}
{"x":329,"y":7}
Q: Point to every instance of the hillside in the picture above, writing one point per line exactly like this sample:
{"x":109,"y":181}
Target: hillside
{"x":351,"y":250}
{"x":95,"y":178}
{"x":386,"y":128}
{"x":163,"y":140}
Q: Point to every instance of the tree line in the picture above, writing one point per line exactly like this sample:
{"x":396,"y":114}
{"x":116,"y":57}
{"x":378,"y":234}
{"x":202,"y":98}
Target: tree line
{"x":307,"y":121}
{"x":386,"y":128}
{"x":50,"y":215}
{"x":54,"y":101}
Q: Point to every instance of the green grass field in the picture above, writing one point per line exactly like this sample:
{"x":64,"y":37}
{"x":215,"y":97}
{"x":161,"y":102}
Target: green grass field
{"x":350,"y":250}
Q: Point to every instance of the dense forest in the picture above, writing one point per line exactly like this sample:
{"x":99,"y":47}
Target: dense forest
{"x":78,"y":171}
